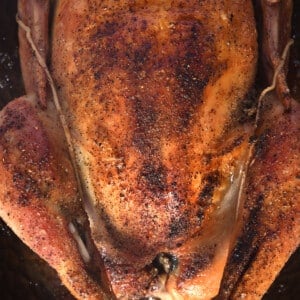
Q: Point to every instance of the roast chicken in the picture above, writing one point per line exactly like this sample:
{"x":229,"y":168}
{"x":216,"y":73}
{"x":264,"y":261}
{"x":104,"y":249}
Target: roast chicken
{"x":142,"y":163}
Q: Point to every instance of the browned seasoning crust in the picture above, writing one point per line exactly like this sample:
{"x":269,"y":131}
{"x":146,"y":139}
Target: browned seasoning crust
{"x":35,"y":169}
{"x":271,"y":210}
{"x":151,"y":88}
{"x":155,"y":95}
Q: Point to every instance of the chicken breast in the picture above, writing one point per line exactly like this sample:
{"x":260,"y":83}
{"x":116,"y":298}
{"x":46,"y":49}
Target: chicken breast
{"x":153,"y":93}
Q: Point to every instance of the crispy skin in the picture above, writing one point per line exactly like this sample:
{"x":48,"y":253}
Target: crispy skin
{"x":270,"y":215}
{"x":151,"y":91}
{"x":268,"y":231}
{"x":154,"y":95}
{"x":35,"y":169}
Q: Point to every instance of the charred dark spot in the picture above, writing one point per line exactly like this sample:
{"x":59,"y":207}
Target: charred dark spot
{"x":184,"y":118}
{"x":178,"y":226}
{"x":165,"y":263}
{"x":144,"y":25}
{"x":150,"y":298}
{"x":110,"y":48}
{"x":252,"y":139}
{"x":107,"y":29}
{"x":97,"y":75}
{"x":191,"y":82}
{"x":193,"y":65}
{"x":110,"y":55}
{"x":146,"y":117}
{"x":200,"y":215}
{"x":211,"y":181}
{"x":141,"y":55}
{"x":12,"y":120}
{"x":245,"y":248}
{"x":154,"y":177}
{"x":193,"y":70}
{"x":145,"y":113}
{"x":261,"y":144}
{"x":27,"y":185}
{"x":207,"y":157}
{"x":196,"y":263}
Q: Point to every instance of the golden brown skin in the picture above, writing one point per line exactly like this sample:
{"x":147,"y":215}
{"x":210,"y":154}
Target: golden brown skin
{"x":154,"y":93}
{"x":35,"y":168}
{"x":152,"y":90}
{"x":270,"y":214}
{"x":270,"y":205}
